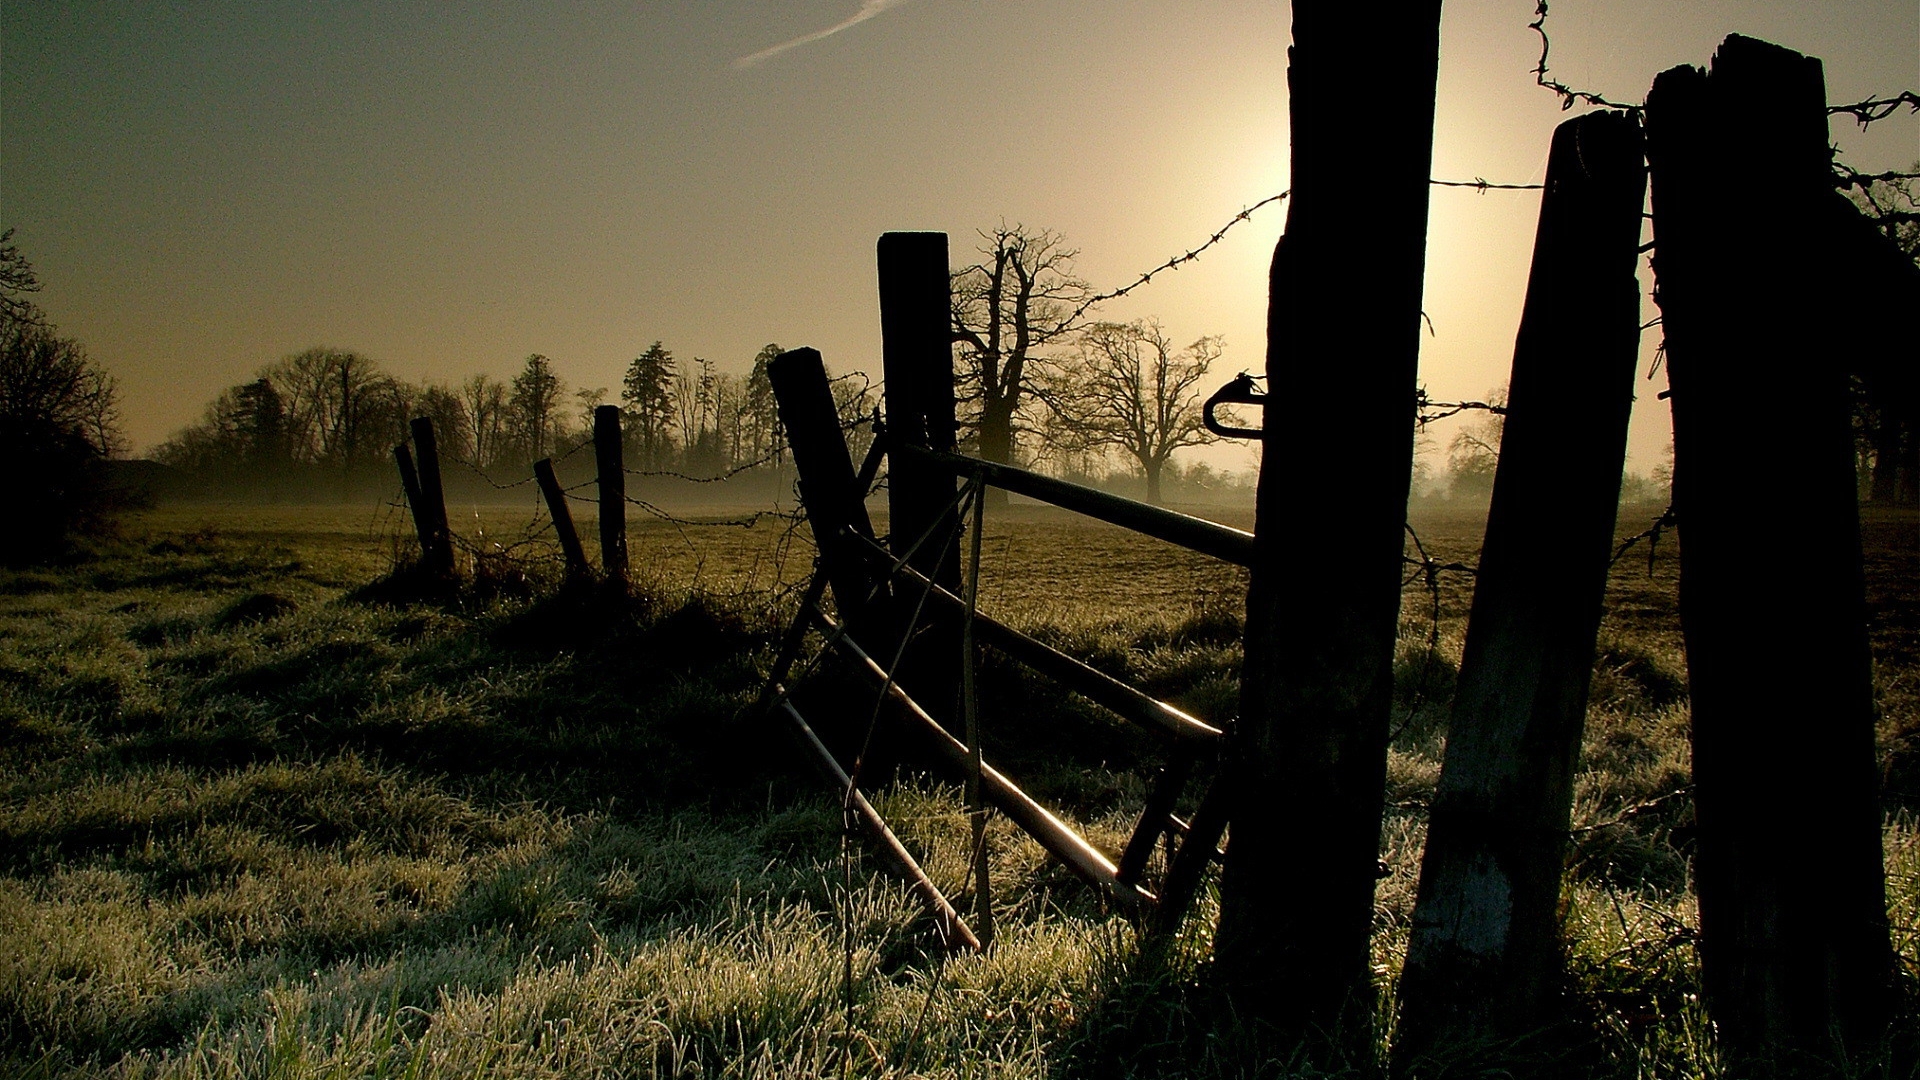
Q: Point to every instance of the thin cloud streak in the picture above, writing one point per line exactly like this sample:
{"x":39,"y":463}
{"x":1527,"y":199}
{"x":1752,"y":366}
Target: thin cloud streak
{"x":868,"y":9}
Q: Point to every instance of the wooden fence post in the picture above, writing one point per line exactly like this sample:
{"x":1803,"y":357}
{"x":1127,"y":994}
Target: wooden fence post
{"x":829,"y":488}
{"x":1308,"y":757}
{"x":410,"y":483}
{"x":1794,"y":946}
{"x":916,"y":328}
{"x":1484,"y":963}
{"x":557,"y":509}
{"x":431,"y":517}
{"x":610,"y":462}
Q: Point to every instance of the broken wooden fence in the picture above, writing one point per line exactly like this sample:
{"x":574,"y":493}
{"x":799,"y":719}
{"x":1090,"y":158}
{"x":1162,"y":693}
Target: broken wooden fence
{"x":887,"y":594}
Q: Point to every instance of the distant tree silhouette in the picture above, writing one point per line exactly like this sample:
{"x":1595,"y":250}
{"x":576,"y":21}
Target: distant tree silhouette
{"x":758,"y":416}
{"x":483,"y":400}
{"x":1010,"y":309}
{"x":1474,"y":452}
{"x":1886,"y":416}
{"x":1128,"y":388}
{"x":532,"y":408}
{"x":646,"y":394}
{"x":340,"y":409}
{"x":59,"y":422}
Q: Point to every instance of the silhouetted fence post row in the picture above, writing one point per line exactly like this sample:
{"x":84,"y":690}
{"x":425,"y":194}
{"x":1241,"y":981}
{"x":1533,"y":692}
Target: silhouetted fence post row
{"x":1794,"y":936}
{"x":428,"y":503}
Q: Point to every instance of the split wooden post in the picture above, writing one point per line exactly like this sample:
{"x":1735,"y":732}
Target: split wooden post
{"x":1484,"y":963}
{"x":427,"y":496}
{"x":563,"y":529}
{"x":916,"y":329}
{"x":1794,"y":945}
{"x":829,"y":488}
{"x":611,"y":464}
{"x":410,"y":484}
{"x":1323,"y":606}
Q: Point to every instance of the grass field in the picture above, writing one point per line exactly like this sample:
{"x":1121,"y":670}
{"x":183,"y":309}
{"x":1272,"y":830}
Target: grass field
{"x":258,"y":819}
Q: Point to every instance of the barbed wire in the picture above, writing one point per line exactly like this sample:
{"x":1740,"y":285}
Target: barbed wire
{"x":1569,"y":97}
{"x":1422,"y":404}
{"x":1668,"y":519}
{"x":1483,"y":185}
{"x":1478,"y":183}
{"x":1872,"y":109}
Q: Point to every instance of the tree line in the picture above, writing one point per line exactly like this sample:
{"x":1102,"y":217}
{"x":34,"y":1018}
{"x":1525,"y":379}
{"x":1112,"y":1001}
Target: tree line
{"x":59,"y":423}
{"x":332,"y":416}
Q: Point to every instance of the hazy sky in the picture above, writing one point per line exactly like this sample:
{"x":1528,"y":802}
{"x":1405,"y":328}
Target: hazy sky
{"x":207,"y":186}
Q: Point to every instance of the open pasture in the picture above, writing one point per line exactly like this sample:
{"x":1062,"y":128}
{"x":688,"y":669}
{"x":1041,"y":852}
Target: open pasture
{"x":256,"y":819}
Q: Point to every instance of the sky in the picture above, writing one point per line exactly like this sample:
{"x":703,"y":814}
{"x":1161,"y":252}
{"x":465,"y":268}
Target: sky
{"x":205,"y":186}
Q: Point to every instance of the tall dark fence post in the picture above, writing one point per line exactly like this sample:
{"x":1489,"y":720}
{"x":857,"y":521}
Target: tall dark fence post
{"x":562,"y":518}
{"x":1309,"y":755}
{"x":1484,"y":961}
{"x":1794,"y":945}
{"x":828,"y":485}
{"x":431,"y":517}
{"x":916,"y":328}
{"x":611,"y":464}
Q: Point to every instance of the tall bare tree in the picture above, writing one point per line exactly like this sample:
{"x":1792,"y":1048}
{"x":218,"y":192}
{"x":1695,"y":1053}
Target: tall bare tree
{"x":484,"y":400}
{"x":1010,"y":310}
{"x":1128,"y":388}
{"x":335,"y":399}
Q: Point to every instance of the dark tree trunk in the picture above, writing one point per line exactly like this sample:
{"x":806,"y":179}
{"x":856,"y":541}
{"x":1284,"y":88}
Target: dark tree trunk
{"x":1794,"y":945}
{"x":1308,"y":760}
{"x":1484,"y":963}
{"x":1153,"y":469}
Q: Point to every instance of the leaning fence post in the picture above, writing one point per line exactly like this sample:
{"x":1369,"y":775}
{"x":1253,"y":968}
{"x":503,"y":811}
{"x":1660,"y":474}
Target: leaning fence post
{"x":562,"y":518}
{"x":431,"y":517}
{"x":611,"y":464}
{"x":829,"y":489}
{"x":1794,"y":948}
{"x":410,"y":484}
{"x":1484,"y":960}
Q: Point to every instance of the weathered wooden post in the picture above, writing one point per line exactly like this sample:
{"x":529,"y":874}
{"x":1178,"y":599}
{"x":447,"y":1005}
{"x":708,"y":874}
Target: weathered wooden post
{"x":1309,"y":753}
{"x":829,"y":487}
{"x":563,"y":529}
{"x":430,"y":515}
{"x":410,"y":484}
{"x":1484,"y":964}
{"x":916,"y":328}
{"x":611,"y":464}
{"x":1794,"y":945}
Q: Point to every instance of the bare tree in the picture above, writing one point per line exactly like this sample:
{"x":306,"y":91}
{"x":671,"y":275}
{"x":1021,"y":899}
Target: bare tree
{"x":1127,"y":388}
{"x":334,"y":399}
{"x":1010,"y":310}
{"x":484,"y":400}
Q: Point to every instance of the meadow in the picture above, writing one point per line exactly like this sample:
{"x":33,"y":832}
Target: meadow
{"x":264,"y":812}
